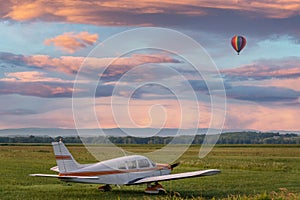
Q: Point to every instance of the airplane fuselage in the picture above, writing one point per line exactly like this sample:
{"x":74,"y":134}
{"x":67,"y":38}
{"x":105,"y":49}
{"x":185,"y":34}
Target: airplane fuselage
{"x":120,"y":171}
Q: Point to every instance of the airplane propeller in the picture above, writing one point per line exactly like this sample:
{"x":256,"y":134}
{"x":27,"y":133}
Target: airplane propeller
{"x":174,"y":165}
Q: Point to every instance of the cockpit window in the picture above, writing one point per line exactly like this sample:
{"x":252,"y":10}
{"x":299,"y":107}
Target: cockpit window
{"x":122,"y":165}
{"x":131,"y":164}
{"x":144,"y":163}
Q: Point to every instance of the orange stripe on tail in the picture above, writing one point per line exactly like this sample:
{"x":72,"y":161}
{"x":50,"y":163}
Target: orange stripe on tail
{"x":62,"y":157}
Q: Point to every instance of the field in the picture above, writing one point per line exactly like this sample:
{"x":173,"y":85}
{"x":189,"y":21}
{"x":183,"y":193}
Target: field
{"x":248,"y":172}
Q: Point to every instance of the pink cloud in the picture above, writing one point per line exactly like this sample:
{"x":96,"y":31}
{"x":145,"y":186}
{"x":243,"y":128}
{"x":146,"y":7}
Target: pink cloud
{"x":65,"y":64}
{"x":113,"y":12}
{"x":270,"y":80}
{"x":71,"y":42}
{"x":30,"y":111}
{"x":260,"y":117}
{"x":58,"y":113}
{"x":30,"y":76}
{"x":240,"y":115}
{"x":290,"y":83}
{"x":266,"y":69}
{"x":285,"y":83}
{"x":36,"y":89}
{"x":121,"y":65}
{"x":33,"y":83}
{"x":27,"y":10}
{"x":71,"y":64}
{"x":163,"y":113}
{"x":36,"y":83}
{"x":258,"y":71}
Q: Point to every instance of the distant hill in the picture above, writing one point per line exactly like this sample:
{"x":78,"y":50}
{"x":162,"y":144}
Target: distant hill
{"x":143,"y":132}
{"x":117,"y":132}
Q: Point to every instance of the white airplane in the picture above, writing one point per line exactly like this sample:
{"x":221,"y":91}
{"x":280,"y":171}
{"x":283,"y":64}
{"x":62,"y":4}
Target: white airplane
{"x":127,"y":170}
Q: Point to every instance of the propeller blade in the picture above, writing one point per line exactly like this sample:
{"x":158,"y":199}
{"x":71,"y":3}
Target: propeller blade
{"x":174,"y":165}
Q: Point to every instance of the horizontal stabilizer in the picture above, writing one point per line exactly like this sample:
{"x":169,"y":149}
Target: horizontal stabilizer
{"x":66,"y":177}
{"x":54,"y":169}
{"x":45,"y":175}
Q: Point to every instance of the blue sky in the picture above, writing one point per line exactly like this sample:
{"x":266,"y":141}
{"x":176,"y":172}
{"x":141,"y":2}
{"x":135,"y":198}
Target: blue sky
{"x":44,"y":44}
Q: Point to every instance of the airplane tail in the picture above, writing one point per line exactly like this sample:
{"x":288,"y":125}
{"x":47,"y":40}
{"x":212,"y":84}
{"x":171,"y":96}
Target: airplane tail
{"x":64,"y":158}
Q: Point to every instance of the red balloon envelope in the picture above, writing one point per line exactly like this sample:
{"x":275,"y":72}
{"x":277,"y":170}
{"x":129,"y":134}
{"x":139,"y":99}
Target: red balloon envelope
{"x":238,"y":43}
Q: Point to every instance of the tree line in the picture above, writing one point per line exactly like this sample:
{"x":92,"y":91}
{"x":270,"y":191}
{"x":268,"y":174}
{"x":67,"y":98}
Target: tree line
{"x":224,"y":138}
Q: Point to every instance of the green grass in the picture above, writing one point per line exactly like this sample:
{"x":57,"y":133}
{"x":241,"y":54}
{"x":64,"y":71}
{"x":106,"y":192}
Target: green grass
{"x":248,"y":172}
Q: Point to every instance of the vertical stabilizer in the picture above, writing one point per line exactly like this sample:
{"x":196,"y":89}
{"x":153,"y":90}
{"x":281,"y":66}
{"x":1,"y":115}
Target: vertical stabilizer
{"x":64,"y":158}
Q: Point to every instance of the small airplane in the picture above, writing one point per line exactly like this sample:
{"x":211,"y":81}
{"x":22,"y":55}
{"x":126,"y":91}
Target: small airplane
{"x":126,"y":170}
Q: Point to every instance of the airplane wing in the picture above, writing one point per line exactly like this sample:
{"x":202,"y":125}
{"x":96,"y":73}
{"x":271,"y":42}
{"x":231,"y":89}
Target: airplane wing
{"x":66,"y":177}
{"x":168,"y":177}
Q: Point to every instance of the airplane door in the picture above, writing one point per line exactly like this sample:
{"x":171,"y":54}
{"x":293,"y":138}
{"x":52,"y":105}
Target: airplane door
{"x":132,"y":169}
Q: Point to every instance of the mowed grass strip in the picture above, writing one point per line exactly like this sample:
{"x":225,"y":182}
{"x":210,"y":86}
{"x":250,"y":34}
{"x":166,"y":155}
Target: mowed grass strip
{"x":248,"y":172}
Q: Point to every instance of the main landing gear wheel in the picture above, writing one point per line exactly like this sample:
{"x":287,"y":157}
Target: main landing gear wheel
{"x":105,"y":188}
{"x":154,"y":189}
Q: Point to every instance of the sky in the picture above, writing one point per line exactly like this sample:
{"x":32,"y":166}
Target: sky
{"x":44,"y":44}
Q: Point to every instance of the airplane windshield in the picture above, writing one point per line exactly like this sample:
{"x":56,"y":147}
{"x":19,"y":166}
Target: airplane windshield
{"x":152,"y":163}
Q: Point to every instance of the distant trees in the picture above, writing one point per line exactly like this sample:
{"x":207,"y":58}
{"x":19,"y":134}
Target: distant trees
{"x":259,"y":138}
{"x":225,"y":138}
{"x":29,"y":139}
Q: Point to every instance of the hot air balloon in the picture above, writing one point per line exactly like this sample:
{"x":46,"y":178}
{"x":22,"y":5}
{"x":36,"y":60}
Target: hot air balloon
{"x":238,"y":43}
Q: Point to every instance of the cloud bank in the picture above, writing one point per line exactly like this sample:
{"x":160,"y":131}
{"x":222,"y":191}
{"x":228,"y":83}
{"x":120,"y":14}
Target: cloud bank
{"x":260,"y":17}
{"x":265,"y":69}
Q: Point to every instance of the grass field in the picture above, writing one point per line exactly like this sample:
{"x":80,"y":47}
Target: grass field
{"x":248,"y":172}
